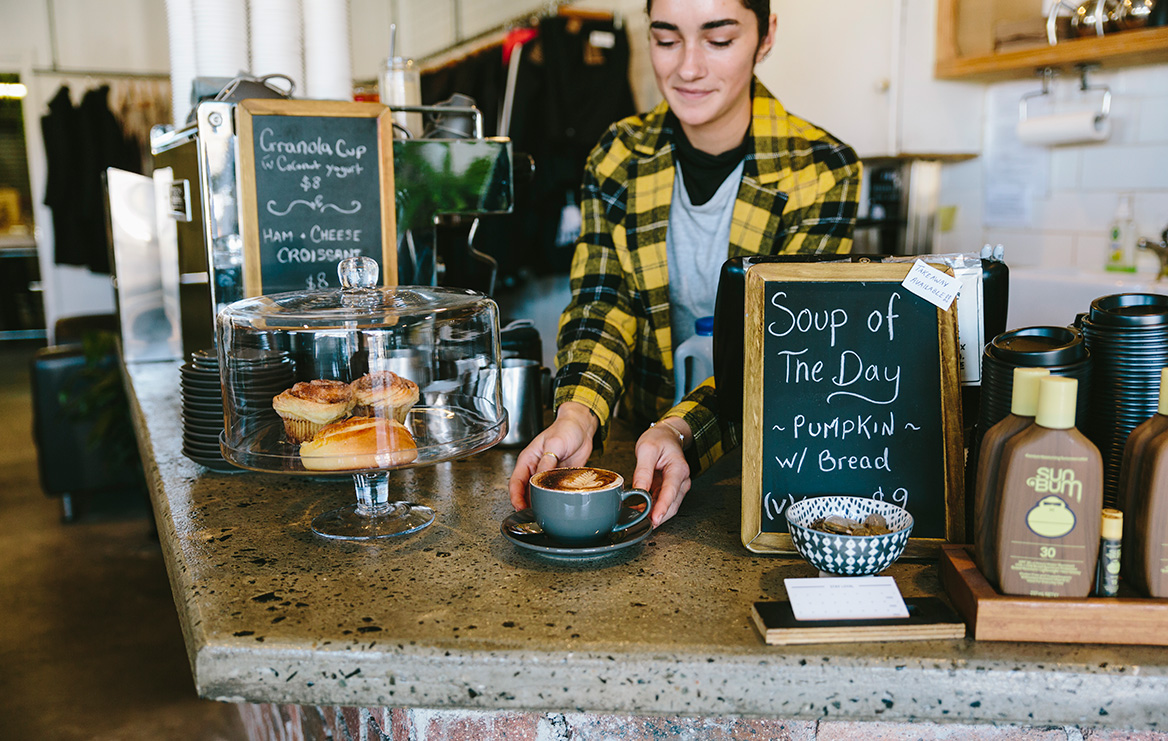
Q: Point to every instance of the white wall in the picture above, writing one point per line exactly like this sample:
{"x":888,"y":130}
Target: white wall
{"x":1069,"y":193}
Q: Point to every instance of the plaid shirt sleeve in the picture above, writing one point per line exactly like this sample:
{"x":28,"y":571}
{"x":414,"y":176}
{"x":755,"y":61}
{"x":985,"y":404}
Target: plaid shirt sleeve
{"x":598,"y":329}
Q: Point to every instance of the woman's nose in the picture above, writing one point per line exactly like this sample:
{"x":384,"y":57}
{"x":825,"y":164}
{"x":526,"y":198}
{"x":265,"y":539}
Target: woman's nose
{"x":693,"y":63}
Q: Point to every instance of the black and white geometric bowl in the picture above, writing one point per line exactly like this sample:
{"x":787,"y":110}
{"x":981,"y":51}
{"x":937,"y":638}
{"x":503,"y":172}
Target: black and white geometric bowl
{"x":849,"y":555}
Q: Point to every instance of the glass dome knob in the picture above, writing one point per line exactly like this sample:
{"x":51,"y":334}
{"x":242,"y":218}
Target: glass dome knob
{"x":358,"y":272}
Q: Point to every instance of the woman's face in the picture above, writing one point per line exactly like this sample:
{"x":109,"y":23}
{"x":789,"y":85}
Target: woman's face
{"x":703,"y":54}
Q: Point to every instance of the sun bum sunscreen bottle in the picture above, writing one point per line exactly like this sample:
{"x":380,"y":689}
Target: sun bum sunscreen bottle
{"x":1051,"y":501}
{"x":1131,"y":494}
{"x":1023,"y":407}
{"x":1150,"y":513}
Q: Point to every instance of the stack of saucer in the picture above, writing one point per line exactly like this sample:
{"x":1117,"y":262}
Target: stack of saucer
{"x":202,"y":411}
{"x":1127,"y":334}
{"x":253,"y":377}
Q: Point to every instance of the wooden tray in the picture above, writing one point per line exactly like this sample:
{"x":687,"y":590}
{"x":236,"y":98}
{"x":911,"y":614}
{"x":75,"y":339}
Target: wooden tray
{"x":997,"y":617}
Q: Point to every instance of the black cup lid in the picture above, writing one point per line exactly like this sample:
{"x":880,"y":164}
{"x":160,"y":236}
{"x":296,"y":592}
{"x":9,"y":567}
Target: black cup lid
{"x":1130,"y":310}
{"x":1039,"y":347}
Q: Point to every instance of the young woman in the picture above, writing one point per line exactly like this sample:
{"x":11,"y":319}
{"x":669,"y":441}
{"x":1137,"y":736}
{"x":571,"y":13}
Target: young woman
{"x":718,"y":170}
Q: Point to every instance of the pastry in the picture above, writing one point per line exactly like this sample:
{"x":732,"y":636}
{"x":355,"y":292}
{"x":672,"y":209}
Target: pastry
{"x":359,"y":443}
{"x":384,"y":394}
{"x":310,"y":405}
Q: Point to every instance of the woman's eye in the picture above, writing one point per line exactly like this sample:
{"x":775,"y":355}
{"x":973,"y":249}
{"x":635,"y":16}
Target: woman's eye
{"x":665,"y":43}
{"x":721,"y":44}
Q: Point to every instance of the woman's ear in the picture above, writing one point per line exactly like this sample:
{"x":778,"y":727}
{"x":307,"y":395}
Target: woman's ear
{"x":768,"y":41}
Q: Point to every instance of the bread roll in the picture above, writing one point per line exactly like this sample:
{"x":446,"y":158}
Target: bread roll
{"x":359,"y":443}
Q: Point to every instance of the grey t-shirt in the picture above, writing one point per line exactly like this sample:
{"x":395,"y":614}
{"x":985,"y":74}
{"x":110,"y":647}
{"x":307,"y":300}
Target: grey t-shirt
{"x":697,"y":243}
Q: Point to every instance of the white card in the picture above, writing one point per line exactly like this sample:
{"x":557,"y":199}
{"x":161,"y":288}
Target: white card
{"x":845,"y":598}
{"x":936,"y":287}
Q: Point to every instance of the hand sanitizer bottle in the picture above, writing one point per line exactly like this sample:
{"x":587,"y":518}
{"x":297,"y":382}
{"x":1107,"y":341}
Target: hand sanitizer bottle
{"x":1121,"y":235}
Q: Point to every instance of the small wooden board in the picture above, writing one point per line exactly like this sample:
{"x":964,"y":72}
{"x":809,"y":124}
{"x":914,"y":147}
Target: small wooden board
{"x":999,"y":617}
{"x":930,"y":619}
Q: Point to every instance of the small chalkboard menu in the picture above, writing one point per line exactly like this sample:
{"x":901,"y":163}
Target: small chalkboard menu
{"x":316,"y":186}
{"x":851,"y":389}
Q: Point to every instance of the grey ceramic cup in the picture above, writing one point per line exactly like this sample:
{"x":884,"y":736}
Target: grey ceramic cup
{"x":580,"y":506}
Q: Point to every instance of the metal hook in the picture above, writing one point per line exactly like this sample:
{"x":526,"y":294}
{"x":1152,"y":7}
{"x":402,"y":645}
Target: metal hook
{"x":1048,"y":75}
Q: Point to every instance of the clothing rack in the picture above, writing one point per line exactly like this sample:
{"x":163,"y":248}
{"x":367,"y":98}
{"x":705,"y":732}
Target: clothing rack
{"x":495,"y":36}
{"x":100,"y":74}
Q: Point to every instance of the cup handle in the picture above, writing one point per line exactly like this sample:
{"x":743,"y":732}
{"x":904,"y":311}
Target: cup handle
{"x":628,"y":494}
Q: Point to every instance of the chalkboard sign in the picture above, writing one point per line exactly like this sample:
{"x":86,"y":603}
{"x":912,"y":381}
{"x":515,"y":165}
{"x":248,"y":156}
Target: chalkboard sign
{"x":316,"y":186}
{"x":851,"y":388}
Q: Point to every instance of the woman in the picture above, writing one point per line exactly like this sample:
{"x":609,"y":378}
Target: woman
{"x":718,"y":170}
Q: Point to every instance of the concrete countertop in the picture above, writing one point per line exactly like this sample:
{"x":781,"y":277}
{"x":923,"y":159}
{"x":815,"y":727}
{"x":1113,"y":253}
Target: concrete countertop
{"x":456,"y":617}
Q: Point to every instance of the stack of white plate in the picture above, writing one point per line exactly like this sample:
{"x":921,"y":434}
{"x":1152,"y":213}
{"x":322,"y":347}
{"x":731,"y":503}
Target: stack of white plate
{"x":180,"y":33}
{"x":277,"y":45}
{"x":220,"y":38}
{"x":328,"y":66}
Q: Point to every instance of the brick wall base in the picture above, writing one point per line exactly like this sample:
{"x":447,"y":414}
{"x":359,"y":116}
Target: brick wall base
{"x":307,"y":723}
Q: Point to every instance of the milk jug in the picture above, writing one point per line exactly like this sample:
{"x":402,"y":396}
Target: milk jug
{"x":693,"y":361}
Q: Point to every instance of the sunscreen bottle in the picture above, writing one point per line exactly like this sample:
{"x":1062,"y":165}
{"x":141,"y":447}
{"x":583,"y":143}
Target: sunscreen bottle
{"x":1023,"y":406}
{"x":1051,"y":504}
{"x":1131,"y":494}
{"x":1150,"y":526}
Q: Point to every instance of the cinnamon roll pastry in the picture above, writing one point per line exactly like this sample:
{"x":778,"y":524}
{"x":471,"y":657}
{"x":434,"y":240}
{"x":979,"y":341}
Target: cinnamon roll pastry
{"x":384,"y":394}
{"x":310,"y":405}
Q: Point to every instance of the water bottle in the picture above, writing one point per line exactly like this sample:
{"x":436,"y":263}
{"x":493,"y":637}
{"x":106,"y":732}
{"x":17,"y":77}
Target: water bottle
{"x":693,"y":361}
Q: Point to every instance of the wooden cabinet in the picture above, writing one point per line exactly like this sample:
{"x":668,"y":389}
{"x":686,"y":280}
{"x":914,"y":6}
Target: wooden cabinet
{"x":1124,"y":48}
{"x":864,"y":72}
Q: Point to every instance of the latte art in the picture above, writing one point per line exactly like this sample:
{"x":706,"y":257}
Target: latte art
{"x":576,"y":479}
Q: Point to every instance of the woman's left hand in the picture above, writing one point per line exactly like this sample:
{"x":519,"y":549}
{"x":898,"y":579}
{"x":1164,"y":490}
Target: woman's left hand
{"x":662,"y":469}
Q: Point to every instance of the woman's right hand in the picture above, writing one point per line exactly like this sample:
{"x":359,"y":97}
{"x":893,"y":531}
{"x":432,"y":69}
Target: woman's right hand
{"x":567,"y":442}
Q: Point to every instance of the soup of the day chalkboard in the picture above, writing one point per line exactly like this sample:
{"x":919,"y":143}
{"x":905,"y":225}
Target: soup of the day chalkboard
{"x":316,"y":186}
{"x":851,"y":388}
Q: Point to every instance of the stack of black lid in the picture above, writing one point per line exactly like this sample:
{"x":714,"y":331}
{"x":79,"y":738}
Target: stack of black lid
{"x":1058,"y":349}
{"x":202,"y":410}
{"x":1127,"y":334}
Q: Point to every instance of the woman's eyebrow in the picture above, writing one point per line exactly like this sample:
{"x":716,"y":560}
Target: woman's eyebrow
{"x":707,"y":26}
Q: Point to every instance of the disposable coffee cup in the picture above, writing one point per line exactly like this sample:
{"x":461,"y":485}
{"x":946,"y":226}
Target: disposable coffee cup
{"x":582,"y":506}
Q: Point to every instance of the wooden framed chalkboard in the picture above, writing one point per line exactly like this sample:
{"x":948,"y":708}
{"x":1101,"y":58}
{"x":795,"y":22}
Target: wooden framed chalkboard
{"x":851,"y":388}
{"x":316,"y":186}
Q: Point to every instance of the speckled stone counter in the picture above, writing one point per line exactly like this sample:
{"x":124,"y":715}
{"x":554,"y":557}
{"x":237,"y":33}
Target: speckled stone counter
{"x":456,"y":617}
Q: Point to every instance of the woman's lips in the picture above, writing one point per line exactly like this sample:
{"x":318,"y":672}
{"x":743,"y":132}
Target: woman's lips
{"x":690,"y":94}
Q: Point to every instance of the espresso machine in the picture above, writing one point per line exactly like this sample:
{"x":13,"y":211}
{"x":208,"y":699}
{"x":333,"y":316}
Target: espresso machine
{"x":443,"y":177}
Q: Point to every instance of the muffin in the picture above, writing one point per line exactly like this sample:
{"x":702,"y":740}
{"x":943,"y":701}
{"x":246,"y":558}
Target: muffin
{"x":310,"y":405}
{"x":384,"y":394}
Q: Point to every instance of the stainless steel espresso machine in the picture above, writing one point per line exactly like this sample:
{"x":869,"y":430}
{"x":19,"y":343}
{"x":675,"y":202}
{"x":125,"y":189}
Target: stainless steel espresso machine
{"x":443,"y":176}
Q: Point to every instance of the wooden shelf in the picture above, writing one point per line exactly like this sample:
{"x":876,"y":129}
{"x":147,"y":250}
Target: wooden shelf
{"x":997,"y":617}
{"x":1144,"y":46}
{"x":1125,"y":48}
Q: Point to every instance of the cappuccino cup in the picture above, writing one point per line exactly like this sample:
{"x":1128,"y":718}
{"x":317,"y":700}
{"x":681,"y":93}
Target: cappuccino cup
{"x":580,"y":506}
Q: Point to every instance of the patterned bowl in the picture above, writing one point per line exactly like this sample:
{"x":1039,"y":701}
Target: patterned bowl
{"x":849,"y":555}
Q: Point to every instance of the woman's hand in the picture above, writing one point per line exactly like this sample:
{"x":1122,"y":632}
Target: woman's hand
{"x":661,"y":467}
{"x":567,"y":442}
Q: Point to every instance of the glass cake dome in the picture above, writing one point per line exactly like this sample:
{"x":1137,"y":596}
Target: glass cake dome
{"x":360,"y":381}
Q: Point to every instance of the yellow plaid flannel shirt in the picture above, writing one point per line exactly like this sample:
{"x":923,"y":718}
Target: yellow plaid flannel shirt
{"x":799,"y":194}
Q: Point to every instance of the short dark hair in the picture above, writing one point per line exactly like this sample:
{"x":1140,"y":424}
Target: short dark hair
{"x":760,"y":8}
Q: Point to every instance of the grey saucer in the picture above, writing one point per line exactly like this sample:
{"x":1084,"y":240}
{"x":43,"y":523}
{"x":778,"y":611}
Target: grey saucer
{"x":543,"y":544}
